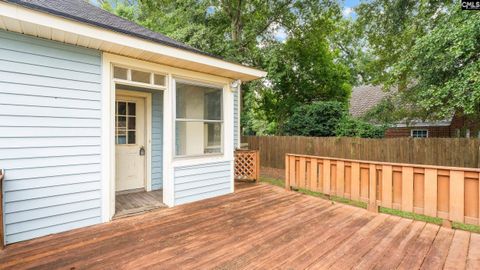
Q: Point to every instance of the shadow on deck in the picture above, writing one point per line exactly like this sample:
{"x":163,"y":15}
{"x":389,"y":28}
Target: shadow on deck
{"x":258,"y":227}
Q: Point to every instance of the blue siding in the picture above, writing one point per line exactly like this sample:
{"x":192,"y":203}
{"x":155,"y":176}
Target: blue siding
{"x":236,"y":117}
{"x":50,"y":135}
{"x":157,"y":140}
{"x":198,"y":182}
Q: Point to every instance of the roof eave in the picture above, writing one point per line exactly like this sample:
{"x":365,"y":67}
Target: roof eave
{"x":27,"y":21}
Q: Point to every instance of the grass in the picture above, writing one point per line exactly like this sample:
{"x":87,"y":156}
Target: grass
{"x":466,"y":227}
{"x":410,"y":215}
{"x":390,"y":211}
{"x":273,"y":181}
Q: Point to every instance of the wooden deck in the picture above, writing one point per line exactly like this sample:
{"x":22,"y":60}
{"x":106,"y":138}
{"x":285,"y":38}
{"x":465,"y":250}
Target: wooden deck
{"x":258,"y":227}
{"x":135,"y":203}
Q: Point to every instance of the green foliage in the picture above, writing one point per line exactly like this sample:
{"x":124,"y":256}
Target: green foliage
{"x":316,"y":119}
{"x":253,"y":118}
{"x":444,"y":66}
{"x":302,"y":71}
{"x":391,"y":28}
{"x":349,"y":43}
{"x":351,"y":127}
{"x":410,"y":215}
{"x":303,"y":66}
{"x":329,"y":118}
{"x":384,"y":113}
{"x":427,"y":49}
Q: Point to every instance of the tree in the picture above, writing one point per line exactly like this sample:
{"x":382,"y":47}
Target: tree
{"x":302,"y":65}
{"x":316,"y":119}
{"x":444,"y":66}
{"x":391,"y":28}
{"x":351,"y":46}
{"x":304,"y":70}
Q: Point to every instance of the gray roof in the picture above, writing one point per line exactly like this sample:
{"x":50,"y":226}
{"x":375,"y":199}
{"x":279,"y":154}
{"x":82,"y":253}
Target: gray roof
{"x":82,"y":11}
{"x":365,"y":98}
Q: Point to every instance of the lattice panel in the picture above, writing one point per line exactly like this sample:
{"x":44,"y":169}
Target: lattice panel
{"x":247,"y":165}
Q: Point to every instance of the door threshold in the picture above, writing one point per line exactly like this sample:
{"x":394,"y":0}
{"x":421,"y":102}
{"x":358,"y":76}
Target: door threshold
{"x":128,"y":191}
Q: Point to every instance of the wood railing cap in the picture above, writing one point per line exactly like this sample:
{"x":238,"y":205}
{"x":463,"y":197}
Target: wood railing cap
{"x":466,"y":169}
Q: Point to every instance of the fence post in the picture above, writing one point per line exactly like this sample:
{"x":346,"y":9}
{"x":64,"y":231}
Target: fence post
{"x":257,"y":165}
{"x":287,"y":173}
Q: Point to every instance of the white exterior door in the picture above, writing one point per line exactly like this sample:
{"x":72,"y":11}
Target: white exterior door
{"x":130,"y":142}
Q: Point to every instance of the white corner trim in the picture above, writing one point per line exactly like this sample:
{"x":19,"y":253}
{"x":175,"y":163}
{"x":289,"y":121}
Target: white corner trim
{"x":22,"y":14}
{"x":168,"y":173}
{"x":169,"y":163}
{"x":108,"y":150}
{"x":148,"y":131}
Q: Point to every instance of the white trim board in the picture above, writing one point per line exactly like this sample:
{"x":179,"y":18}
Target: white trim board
{"x":31,"y":22}
{"x":169,"y":162}
{"x":148,"y":132}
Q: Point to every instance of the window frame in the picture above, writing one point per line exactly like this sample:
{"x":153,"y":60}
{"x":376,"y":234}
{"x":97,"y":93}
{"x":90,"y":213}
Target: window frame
{"x":194,"y":82}
{"x":417,"y":130}
{"x":130,"y":82}
{"x":127,"y":116}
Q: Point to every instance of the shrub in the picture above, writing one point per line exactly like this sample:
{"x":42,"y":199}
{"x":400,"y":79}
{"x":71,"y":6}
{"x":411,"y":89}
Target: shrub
{"x":316,"y":119}
{"x":351,"y":127}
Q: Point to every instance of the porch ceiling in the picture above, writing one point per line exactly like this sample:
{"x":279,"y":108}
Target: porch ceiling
{"x":34,"y":23}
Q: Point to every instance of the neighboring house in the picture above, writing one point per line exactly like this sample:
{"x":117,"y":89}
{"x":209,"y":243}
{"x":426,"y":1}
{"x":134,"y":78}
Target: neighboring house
{"x":364,"y":98}
{"x":92,"y":104}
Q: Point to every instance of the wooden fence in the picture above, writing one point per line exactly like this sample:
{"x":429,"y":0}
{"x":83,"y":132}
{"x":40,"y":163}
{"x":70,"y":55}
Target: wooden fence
{"x":247,"y":165}
{"x":456,"y":152}
{"x":450,"y":193}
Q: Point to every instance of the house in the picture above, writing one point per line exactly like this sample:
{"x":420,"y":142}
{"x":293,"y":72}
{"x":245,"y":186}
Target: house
{"x":93,"y":105}
{"x":366,"y":97}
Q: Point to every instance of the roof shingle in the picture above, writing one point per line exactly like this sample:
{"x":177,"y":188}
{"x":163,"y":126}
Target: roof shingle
{"x":82,"y":11}
{"x":364,"y":98}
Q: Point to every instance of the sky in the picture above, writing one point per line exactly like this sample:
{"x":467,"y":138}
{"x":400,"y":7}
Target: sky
{"x":347,"y":11}
{"x":348,"y":6}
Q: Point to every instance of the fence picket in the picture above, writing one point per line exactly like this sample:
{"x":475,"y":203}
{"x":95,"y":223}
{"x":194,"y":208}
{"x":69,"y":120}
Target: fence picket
{"x":446,"y":192}
{"x":340,"y":178}
{"x":407,"y":189}
{"x":431,"y":192}
{"x":454,"y":152}
{"x":387,"y":186}
{"x":326,"y":176}
{"x":457,"y":184}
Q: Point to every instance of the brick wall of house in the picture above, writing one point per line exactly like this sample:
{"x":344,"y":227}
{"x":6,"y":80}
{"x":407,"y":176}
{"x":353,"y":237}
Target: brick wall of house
{"x":433,"y":132}
{"x":459,"y":124}
{"x":462,"y":124}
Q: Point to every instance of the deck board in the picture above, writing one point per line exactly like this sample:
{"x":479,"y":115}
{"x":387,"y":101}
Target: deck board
{"x":258,"y":227}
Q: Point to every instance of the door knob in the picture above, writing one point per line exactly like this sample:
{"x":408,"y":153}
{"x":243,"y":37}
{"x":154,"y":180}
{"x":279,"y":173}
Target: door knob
{"x":142,"y":151}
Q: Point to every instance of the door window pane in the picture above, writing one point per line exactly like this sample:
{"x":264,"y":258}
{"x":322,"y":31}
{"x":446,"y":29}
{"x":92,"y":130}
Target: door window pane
{"x":131,"y":122}
{"x":131,"y":108}
{"x":125,"y":122}
{"x":131,"y":137}
{"x":122,"y":122}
